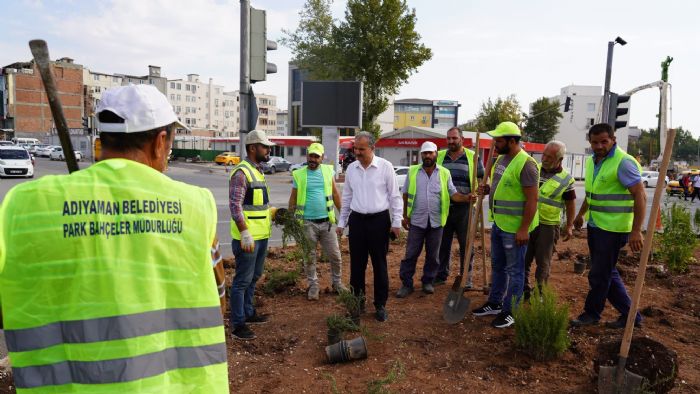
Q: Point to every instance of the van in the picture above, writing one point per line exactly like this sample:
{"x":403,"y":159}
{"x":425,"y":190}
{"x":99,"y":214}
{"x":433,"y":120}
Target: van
{"x":26,"y":141}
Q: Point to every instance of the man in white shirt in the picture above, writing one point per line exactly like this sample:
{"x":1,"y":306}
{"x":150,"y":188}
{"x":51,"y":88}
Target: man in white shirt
{"x":372,"y":207}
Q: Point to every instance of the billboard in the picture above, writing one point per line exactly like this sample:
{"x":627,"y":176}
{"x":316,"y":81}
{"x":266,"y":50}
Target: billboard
{"x":331,"y":103}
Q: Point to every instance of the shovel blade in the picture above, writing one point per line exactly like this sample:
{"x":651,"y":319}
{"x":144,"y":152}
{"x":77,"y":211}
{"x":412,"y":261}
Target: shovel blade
{"x":455,"y":307}
{"x":607,"y":382}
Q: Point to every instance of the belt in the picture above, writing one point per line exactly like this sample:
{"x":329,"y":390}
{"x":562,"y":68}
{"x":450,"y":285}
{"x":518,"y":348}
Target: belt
{"x":369,"y":215}
{"x":323,"y":220}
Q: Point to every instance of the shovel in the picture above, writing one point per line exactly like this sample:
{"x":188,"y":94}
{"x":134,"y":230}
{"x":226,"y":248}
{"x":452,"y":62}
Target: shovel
{"x":616,"y":379}
{"x":456,"y":304}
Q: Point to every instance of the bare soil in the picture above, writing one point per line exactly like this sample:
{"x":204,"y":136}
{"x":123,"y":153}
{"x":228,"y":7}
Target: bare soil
{"x":415,"y":351}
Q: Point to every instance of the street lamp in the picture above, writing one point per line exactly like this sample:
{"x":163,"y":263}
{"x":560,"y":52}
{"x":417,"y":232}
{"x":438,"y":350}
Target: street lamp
{"x":608,"y":70}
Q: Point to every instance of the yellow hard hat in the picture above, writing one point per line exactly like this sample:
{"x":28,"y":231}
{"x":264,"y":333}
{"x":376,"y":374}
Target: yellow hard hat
{"x":505,"y":129}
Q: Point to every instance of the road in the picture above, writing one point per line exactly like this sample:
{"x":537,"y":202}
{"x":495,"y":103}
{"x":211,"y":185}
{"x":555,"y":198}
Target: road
{"x":215,"y":178}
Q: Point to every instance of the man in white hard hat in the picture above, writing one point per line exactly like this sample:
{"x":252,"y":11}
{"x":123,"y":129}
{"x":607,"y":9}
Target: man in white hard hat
{"x":426,"y":195}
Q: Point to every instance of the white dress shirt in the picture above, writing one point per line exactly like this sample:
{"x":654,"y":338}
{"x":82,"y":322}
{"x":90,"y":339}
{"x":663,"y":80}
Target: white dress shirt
{"x":371,"y":190}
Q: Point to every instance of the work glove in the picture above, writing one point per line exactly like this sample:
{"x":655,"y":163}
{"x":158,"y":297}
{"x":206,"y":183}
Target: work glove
{"x":273,"y":213}
{"x":247,"y":242}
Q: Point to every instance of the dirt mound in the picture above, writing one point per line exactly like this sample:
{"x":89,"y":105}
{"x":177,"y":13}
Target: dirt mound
{"x":647,"y":358}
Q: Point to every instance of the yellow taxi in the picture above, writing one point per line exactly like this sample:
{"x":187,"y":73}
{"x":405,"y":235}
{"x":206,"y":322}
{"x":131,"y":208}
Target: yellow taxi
{"x":228,"y":158}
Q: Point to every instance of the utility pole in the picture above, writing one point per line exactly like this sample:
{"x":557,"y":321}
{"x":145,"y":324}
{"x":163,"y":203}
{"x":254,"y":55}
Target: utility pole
{"x":664,"y":77}
{"x":608,"y":72}
{"x":244,"y":89}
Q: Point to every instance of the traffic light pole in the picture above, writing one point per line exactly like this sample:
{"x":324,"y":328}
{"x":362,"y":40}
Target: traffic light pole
{"x":606,"y":91}
{"x":244,"y":90}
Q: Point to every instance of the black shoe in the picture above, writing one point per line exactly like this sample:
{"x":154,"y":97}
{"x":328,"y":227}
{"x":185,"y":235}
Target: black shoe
{"x":621,"y":322}
{"x":584,"y":320}
{"x":428,"y":288}
{"x":439,"y":282}
{"x":404,"y":291}
{"x":257,"y":319}
{"x":488,"y":309}
{"x":243,"y":333}
{"x":503,"y":320}
{"x":381,"y":314}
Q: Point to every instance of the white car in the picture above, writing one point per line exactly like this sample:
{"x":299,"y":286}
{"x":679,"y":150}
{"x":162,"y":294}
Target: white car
{"x":295,"y":167}
{"x":650,"y":178}
{"x":401,"y":174}
{"x":45,"y":151}
{"x":15,"y":161}
{"x":57,"y":154}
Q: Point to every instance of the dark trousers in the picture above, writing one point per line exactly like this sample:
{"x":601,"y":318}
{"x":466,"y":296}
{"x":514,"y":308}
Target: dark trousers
{"x":696,"y":193}
{"x":603,"y":278}
{"x":457,"y":223}
{"x":369,"y":238}
{"x":414,"y":245}
{"x":540,"y":248}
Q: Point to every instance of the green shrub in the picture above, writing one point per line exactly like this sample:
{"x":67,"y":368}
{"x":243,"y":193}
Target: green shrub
{"x":696,"y":220}
{"x":341,"y":323}
{"x":350,"y":301}
{"x":278,"y":280}
{"x":541,"y":326}
{"x":678,"y":241}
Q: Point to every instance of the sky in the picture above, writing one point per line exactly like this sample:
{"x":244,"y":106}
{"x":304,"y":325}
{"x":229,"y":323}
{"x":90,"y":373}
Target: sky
{"x":481,"y":49}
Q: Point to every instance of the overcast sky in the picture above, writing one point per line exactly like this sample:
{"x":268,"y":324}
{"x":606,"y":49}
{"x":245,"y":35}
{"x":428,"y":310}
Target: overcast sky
{"x":481,"y":49}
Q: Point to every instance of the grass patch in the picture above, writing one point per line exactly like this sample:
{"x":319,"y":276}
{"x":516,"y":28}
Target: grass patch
{"x":678,"y":241}
{"x":396,"y":372}
{"x":279,"y":280}
{"x":541,"y":326}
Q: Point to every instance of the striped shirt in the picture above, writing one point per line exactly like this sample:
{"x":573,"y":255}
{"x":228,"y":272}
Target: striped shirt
{"x":459,"y":169}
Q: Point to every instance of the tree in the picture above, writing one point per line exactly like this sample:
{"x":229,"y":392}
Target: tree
{"x":502,"y":110}
{"x":376,"y":44}
{"x":543,"y":122}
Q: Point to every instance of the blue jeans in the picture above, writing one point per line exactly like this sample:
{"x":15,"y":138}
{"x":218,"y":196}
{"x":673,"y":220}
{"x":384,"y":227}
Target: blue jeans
{"x":249,"y":268}
{"x":507,"y":268}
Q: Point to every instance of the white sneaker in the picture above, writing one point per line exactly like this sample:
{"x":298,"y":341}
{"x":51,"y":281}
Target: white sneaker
{"x":313,"y":293}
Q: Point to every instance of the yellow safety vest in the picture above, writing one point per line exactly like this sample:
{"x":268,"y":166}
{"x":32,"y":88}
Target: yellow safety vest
{"x":470,"y":161}
{"x":256,"y":207}
{"x":609,"y":203}
{"x":106,"y":284}
{"x":444,"y":174}
{"x":300,"y":177}
{"x":508,"y":206}
{"x":550,"y":202}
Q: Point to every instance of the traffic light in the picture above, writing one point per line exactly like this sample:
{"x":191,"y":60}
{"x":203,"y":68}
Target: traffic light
{"x":259,"y":45}
{"x":86,"y":123}
{"x":567,"y":104}
{"x":618,"y":112}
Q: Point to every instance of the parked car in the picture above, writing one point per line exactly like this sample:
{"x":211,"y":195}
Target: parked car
{"x":401,"y":174}
{"x":275,"y":164}
{"x":57,"y":154}
{"x":227,"y":158}
{"x":15,"y":161}
{"x":34,"y":147}
{"x":46,"y":150}
{"x":7,"y":143}
{"x":650,"y":178}
{"x":295,"y":167}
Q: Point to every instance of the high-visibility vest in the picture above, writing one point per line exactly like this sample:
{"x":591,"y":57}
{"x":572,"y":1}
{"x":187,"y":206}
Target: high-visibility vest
{"x":444,"y":174}
{"x":470,"y":161}
{"x":256,"y":207}
{"x":610,"y":204}
{"x":300,"y":177}
{"x":508,"y":207}
{"x":106,"y":284}
{"x":550,"y":202}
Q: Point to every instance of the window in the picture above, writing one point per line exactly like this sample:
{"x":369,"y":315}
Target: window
{"x":290,"y":151}
{"x":413,"y":117}
{"x":179,"y":86}
{"x":115,"y":79}
{"x":194,"y":88}
{"x":187,"y":87}
{"x":591,"y":107}
{"x":303,"y":151}
{"x":216,"y":102}
{"x":590,"y":122}
{"x":95,"y":77}
{"x":172,"y":97}
{"x":178,"y":109}
{"x":216,"y":112}
{"x":187,"y":98}
{"x":179,"y":98}
{"x":172,"y":85}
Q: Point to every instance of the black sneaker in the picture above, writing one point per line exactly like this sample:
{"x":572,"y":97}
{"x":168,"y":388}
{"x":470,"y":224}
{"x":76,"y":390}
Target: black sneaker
{"x":257,"y":319}
{"x":381,"y":314}
{"x":428,"y":288}
{"x":243,"y":333}
{"x":584,"y":320}
{"x":488,"y":309}
{"x":621,"y":322}
{"x":503,"y":320}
